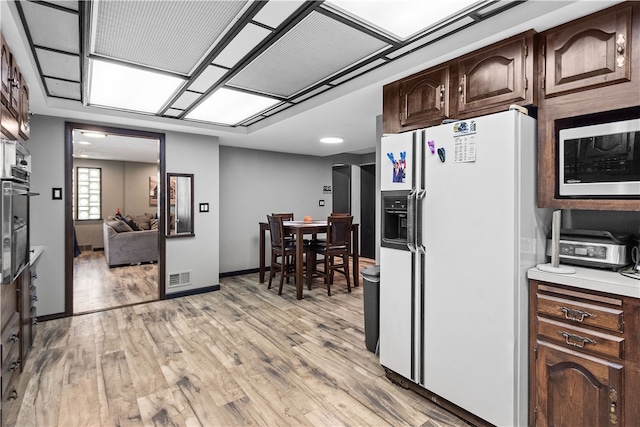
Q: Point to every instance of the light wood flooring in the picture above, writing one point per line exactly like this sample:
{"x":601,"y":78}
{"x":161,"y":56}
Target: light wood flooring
{"x":98,"y":287}
{"x":239,"y":356}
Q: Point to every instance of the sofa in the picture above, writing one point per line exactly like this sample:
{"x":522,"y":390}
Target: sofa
{"x":125,"y":246}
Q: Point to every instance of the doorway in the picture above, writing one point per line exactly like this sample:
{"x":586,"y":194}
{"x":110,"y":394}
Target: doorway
{"x":341,"y":181}
{"x":368,"y":211}
{"x":108,"y":176}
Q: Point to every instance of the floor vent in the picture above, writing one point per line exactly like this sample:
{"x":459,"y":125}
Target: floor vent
{"x":179,"y":279}
{"x":84,"y":248}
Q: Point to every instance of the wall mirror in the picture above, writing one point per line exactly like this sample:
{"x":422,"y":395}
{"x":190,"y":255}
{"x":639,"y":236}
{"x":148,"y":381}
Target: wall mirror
{"x":179,"y":205}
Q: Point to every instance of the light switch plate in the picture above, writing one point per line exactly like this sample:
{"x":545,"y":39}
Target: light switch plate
{"x":204,"y":207}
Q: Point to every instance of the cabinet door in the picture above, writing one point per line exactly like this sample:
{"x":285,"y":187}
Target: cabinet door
{"x":23,"y":115}
{"x":14,"y":88}
{"x":424,"y":99}
{"x":577,"y":390}
{"x":496,"y":76}
{"x":589,"y":53}
{"x":6,"y":73}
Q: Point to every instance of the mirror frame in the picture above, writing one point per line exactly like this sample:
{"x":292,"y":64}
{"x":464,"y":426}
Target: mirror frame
{"x":191,"y":233}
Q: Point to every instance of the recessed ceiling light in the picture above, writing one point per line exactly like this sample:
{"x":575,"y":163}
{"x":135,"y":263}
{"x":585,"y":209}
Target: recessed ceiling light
{"x":84,"y":155}
{"x":94,"y":134}
{"x":332,"y":140}
{"x":82,"y":142}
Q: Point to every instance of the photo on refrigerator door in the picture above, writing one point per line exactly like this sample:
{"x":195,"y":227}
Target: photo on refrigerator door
{"x":399,"y":171}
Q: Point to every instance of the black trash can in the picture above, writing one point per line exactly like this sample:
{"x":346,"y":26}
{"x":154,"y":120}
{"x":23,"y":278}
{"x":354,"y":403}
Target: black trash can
{"x":371,"y":283}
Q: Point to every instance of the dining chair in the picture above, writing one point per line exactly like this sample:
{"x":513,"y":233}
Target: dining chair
{"x":337,"y":246}
{"x":285,"y":216}
{"x":280,"y":248}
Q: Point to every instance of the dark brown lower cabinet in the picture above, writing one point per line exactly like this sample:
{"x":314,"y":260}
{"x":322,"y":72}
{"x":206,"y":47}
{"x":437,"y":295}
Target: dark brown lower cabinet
{"x":575,"y":389}
{"x":584,"y":357}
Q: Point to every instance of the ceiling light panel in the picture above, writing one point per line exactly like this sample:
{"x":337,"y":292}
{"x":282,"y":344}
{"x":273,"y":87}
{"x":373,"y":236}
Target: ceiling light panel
{"x":299,"y":58}
{"x":136,"y":31}
{"x":230,"y":107}
{"x":401,"y":18}
{"x":61,"y":65}
{"x":118,"y":86}
{"x":250,"y":36}
{"x":275,"y":13}
{"x":51,"y":27}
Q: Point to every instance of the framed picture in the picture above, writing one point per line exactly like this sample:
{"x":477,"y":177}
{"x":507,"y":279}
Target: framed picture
{"x":153,"y":191}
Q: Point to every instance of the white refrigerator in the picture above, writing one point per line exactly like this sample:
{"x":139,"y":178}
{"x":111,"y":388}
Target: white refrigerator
{"x":454,"y":304}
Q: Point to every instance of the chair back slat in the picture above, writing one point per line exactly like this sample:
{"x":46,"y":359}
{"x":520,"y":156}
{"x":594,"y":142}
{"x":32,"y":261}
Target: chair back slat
{"x":276,"y":230}
{"x":285,"y":216}
{"x":339,"y":230}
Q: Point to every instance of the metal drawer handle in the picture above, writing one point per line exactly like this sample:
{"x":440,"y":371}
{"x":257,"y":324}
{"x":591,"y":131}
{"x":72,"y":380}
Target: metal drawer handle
{"x":576,"y":340}
{"x":14,"y":365}
{"x":13,"y":395}
{"x":14,"y":337}
{"x":576,"y":315}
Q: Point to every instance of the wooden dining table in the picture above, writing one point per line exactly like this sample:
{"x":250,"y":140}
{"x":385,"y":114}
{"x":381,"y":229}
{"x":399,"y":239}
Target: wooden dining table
{"x":300,"y":229}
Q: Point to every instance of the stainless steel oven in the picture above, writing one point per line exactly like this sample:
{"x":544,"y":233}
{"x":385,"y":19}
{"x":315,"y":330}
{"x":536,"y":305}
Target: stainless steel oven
{"x":14,"y":228}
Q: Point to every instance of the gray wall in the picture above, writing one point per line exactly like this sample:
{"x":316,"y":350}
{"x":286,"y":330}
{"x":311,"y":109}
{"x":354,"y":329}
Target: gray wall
{"x":199,"y":254}
{"x":125,"y":185}
{"x":256,"y":183}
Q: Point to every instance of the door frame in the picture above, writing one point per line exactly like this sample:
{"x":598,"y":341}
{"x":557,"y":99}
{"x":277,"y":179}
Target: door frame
{"x":68,"y":204}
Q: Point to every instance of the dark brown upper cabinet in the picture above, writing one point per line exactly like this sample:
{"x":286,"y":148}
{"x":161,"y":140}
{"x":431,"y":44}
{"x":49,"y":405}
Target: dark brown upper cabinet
{"x":590,"y":53}
{"x":424,"y":98}
{"x":492,"y":78}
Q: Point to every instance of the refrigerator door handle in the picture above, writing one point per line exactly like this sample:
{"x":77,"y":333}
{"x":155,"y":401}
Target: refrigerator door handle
{"x":411,"y":236}
{"x":419,"y":219}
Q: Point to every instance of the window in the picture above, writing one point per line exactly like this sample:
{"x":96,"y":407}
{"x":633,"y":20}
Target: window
{"x":88,"y":198}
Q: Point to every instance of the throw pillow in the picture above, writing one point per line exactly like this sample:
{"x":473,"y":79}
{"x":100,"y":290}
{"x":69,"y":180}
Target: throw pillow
{"x":129,"y":221}
{"x":142,"y":221}
{"x":154,"y":224}
{"x":119,"y":226}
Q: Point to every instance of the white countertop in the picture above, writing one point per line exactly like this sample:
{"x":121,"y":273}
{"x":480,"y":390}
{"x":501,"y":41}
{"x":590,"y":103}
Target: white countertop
{"x":36,"y":251}
{"x":593,"y":279}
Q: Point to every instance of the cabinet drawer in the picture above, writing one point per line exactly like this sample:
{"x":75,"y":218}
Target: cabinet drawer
{"x":10,"y":336}
{"x":578,"y":312}
{"x":10,"y":367}
{"x":574,"y":337}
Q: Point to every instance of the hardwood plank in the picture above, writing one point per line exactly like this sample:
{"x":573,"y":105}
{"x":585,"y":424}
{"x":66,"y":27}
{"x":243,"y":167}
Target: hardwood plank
{"x":119,"y":406}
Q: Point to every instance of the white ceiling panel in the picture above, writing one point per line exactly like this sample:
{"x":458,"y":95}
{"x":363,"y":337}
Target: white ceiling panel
{"x":61,"y":65}
{"x":51,"y":27}
{"x":166,"y":35}
{"x":67,"y":4}
{"x":299,"y":58}
{"x":185,"y":100}
{"x":275,"y":12}
{"x":207,"y":78}
{"x":63,"y":89}
{"x":241,"y":45}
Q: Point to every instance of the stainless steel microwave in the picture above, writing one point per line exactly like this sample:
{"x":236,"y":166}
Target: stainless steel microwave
{"x":600,"y":160}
